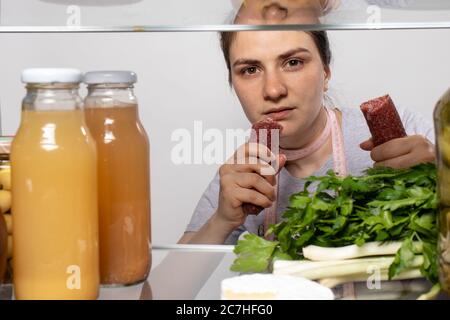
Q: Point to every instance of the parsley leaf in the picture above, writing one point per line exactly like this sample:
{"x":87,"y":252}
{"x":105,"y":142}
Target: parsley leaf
{"x":254,"y":254}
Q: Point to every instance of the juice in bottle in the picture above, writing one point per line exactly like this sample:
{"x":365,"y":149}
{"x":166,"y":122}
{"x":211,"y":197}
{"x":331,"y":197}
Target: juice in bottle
{"x":111,"y":112}
{"x":54,"y":182}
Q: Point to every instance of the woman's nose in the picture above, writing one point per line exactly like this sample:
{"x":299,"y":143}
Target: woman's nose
{"x":274,"y":88}
{"x":274,"y":12}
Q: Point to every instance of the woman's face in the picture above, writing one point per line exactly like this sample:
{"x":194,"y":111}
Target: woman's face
{"x":275,"y":11}
{"x":279,"y":74}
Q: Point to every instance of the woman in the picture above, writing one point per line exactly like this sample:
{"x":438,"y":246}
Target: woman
{"x":285,"y":75}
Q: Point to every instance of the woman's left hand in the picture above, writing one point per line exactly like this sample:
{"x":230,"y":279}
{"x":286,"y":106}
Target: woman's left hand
{"x":402,"y":152}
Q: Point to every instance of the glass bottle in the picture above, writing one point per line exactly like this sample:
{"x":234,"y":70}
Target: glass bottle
{"x":3,"y":247}
{"x":111,"y":111}
{"x":54,"y":183}
{"x":442,"y":129}
{"x":5,"y":206}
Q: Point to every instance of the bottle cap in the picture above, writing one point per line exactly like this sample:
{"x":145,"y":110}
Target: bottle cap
{"x":51,"y":75}
{"x":105,"y":77}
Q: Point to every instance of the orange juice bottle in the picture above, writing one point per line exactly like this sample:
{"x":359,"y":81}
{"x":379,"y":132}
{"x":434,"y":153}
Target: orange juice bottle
{"x":111,"y":112}
{"x":54,"y":182}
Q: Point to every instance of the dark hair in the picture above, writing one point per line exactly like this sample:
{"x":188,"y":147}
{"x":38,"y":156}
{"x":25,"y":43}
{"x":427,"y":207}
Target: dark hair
{"x":320,"y":39}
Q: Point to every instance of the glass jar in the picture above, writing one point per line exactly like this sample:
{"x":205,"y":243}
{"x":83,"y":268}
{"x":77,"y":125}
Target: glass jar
{"x":5,"y":208}
{"x":3,"y":248}
{"x":442,"y":128}
{"x":54,"y":182}
{"x":111,"y":112}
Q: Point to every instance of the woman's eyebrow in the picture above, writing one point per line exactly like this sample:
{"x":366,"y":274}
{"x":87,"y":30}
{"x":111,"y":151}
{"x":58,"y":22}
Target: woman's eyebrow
{"x":292,"y":52}
{"x":281,"y":57}
{"x":245,"y":61}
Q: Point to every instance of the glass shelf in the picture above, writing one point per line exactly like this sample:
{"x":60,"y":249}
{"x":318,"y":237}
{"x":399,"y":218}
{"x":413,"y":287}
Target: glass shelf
{"x":205,"y":266}
{"x":79,"y":16}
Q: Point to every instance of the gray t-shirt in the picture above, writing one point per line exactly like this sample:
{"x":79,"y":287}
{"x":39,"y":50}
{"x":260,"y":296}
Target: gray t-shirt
{"x":355,"y":131}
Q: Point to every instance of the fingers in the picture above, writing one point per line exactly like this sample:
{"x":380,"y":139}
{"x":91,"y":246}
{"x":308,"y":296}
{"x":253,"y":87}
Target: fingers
{"x":260,"y":151}
{"x":254,"y":197}
{"x":281,"y":161}
{"x":404,"y":152}
{"x":252,"y":150}
{"x":392,"y":149}
{"x":407,"y":160}
{"x":248,"y":179}
{"x":255,"y":181}
{"x":259,"y":168}
{"x":367,"y":145}
{"x":404,"y":161}
{"x":253,"y":153}
{"x":276,"y":166}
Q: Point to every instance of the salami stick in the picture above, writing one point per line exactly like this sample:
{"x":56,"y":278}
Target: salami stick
{"x":383,"y":120}
{"x":262,"y":127}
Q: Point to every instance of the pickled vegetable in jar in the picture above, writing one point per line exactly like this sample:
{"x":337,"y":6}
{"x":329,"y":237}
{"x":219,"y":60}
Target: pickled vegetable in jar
{"x":442,"y":128}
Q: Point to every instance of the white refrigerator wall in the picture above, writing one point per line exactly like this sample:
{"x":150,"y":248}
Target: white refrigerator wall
{"x":182,"y":79}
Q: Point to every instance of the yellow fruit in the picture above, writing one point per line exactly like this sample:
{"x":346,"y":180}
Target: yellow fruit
{"x":8,"y":219}
{"x":5,"y":201}
{"x":5,"y":179}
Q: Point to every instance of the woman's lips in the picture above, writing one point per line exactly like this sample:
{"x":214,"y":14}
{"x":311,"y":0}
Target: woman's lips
{"x":280,"y":115}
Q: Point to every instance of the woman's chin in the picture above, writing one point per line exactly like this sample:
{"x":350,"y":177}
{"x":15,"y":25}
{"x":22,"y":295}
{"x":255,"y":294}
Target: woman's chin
{"x":287,"y":130}
{"x":289,"y":134}
{"x":285,"y":135}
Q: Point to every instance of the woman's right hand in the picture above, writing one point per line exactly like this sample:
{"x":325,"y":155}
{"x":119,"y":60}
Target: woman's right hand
{"x":247,"y":177}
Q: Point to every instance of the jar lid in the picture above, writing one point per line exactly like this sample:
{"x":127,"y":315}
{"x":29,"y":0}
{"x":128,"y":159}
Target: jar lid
{"x":51,"y":75}
{"x":5,"y":144}
{"x":104,"y":77}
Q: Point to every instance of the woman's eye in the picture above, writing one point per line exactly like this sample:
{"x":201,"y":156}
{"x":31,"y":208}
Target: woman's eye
{"x":249,"y":70}
{"x":294,"y":63}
